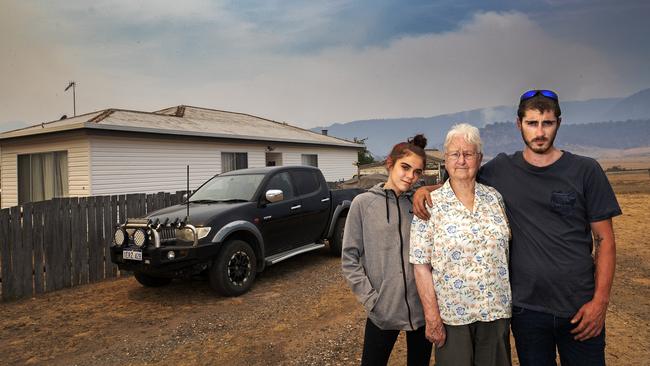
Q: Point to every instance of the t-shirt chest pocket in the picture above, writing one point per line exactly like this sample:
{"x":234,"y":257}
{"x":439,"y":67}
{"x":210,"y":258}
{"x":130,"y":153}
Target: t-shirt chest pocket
{"x":563,"y":203}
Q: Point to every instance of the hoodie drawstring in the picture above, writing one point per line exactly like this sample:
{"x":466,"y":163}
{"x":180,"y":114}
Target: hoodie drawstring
{"x":410,"y":201}
{"x":387,"y":210}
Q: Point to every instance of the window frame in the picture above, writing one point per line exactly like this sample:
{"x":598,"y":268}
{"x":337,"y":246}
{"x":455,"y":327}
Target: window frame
{"x":54,"y":185}
{"x":235,"y":160}
{"x":305,"y":160}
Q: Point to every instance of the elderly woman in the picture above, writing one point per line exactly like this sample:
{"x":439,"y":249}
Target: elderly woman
{"x":460,"y":258}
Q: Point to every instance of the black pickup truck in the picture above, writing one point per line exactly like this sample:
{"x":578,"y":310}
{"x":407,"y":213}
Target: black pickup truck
{"x":233,"y":226}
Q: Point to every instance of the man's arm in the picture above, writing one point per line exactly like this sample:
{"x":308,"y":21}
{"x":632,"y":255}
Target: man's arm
{"x":591,"y":316}
{"x":435,"y":329}
{"x":422,"y":199}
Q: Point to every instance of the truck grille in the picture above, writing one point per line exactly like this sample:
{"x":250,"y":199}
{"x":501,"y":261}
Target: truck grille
{"x":167,"y":234}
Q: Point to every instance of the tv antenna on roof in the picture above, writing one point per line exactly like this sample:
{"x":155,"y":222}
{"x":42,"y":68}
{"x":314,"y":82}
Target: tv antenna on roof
{"x":73,"y":84}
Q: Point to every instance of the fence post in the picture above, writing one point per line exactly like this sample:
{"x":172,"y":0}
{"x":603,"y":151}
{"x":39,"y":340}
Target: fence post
{"x":16,"y":291}
{"x":107,"y":237}
{"x":76,"y":231}
{"x":66,"y":231}
{"x":49,"y":231}
{"x":5,"y":252}
{"x":93,"y":274}
{"x":114,"y":221}
{"x":122,"y":208}
{"x":25,"y":262}
{"x":39,"y":266}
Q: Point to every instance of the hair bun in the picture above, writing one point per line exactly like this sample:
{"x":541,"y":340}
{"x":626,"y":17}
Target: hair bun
{"x":418,"y":140}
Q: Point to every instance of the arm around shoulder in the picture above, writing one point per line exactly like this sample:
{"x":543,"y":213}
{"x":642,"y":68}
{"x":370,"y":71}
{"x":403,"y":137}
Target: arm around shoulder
{"x":422,"y":200}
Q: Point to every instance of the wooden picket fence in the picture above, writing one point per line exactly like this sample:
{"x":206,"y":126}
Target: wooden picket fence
{"x":64,"y":242}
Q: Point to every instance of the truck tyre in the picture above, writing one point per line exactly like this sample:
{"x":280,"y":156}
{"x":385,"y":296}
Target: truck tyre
{"x":233,"y":270}
{"x":336,"y":243}
{"x":150,"y":281}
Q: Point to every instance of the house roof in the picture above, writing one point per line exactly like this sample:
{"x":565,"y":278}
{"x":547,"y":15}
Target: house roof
{"x":186,"y":121}
{"x":435,"y":155}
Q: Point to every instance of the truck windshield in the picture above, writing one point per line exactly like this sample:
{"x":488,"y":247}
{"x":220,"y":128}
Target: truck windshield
{"x":230,"y":188}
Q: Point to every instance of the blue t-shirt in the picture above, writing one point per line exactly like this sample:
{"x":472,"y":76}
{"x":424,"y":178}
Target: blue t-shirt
{"x":550,"y":210}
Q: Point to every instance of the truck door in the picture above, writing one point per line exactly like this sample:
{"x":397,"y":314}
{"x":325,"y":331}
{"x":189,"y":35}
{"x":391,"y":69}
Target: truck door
{"x":279,"y":229}
{"x":315,"y":200}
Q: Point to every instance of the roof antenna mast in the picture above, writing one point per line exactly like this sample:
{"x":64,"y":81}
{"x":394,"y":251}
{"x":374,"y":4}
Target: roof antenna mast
{"x":73,"y":84}
{"x":187,"y":219}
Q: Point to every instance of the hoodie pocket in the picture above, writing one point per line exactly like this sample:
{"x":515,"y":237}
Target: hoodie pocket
{"x":388,"y":298}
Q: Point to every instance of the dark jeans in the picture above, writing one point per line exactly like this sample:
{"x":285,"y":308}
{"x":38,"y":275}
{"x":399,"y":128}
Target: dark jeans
{"x":378,"y":344}
{"x":538,"y":334}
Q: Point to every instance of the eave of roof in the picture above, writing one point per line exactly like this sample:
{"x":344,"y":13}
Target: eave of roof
{"x":124,"y":120}
{"x":95,"y":126}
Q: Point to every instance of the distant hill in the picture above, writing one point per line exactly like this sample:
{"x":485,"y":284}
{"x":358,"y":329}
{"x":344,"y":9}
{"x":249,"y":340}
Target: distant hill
{"x":381,"y":134}
{"x":505,"y":137}
{"x":633,"y":107}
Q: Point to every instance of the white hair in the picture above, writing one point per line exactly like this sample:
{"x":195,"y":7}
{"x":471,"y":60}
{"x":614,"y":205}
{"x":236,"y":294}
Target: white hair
{"x":468,"y":132}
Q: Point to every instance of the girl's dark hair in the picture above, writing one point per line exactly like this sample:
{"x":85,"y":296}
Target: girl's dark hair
{"x":414,"y":145}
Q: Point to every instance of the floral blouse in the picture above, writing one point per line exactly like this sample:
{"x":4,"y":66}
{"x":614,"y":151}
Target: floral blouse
{"x":468,"y":254}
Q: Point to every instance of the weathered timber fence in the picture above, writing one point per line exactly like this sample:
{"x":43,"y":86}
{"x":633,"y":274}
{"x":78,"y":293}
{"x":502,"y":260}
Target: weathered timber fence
{"x":64,"y":242}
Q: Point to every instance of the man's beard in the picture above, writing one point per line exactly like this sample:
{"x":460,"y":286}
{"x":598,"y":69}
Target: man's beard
{"x":536,"y":148}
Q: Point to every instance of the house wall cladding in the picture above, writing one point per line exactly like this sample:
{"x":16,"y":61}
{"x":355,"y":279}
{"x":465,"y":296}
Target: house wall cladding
{"x":120,"y":165}
{"x":335,"y":163}
{"x":77,"y":146}
{"x":132,"y":164}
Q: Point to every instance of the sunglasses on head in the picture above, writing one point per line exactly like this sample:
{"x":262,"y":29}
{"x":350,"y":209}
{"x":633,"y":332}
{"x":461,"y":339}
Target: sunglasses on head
{"x":532,"y":93}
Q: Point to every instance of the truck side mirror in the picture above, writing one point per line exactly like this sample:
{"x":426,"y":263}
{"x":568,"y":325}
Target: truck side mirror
{"x":184,"y":199}
{"x":274,"y":195}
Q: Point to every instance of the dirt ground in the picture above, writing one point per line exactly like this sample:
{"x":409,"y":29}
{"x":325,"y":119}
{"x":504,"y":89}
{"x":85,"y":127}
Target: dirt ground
{"x":300,"y":312}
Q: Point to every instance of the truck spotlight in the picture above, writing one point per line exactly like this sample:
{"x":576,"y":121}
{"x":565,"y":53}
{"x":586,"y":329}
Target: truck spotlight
{"x":139,"y":237}
{"x":171,"y":255}
{"x":119,"y":237}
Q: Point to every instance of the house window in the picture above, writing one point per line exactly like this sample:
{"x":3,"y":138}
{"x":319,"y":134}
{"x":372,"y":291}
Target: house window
{"x":233,"y":161}
{"x":42,"y":176}
{"x":309,"y":159}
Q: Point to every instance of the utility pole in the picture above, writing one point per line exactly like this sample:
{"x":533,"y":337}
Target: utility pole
{"x":74,"y":96}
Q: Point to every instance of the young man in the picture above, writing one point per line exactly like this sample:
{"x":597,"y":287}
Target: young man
{"x":560,"y":208}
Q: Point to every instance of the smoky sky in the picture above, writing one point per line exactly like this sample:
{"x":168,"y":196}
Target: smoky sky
{"x":314,"y":63}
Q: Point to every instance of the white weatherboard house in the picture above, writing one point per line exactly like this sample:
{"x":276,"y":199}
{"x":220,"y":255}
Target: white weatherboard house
{"x":117,"y":151}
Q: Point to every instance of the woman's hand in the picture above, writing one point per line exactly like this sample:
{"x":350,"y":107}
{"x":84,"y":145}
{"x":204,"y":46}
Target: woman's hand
{"x":436,"y":333}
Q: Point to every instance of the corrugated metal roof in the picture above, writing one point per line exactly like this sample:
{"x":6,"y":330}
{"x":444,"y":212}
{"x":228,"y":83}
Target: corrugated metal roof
{"x":436,"y":155}
{"x":188,"y":121}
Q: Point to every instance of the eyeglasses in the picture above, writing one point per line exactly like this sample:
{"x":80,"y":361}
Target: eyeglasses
{"x":468,"y":156}
{"x":532,"y":93}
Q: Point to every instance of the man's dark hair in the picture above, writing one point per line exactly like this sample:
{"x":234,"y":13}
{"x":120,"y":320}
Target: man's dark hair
{"x":539,"y":103}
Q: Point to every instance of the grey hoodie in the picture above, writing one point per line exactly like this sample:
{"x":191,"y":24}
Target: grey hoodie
{"x":375,"y":258}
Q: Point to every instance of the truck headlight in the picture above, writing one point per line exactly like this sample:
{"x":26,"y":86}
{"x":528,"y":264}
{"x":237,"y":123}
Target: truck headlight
{"x":139,"y":237}
{"x":119,"y":237}
{"x":185,"y":234}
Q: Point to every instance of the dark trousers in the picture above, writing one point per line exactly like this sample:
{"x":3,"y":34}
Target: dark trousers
{"x":378,"y":344}
{"x":538,"y":334}
{"x":478,"y":343}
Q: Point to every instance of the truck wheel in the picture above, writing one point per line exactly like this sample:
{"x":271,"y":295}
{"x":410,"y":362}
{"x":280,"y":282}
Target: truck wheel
{"x":336,"y":243}
{"x":233,"y":270}
{"x":150,"y":281}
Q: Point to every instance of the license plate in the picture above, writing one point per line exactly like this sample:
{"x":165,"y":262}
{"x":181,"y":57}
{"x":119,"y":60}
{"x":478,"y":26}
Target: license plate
{"x":132,"y":255}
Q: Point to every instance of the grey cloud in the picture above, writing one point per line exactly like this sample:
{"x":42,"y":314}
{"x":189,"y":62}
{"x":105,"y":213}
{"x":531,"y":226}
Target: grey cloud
{"x":487,"y":61}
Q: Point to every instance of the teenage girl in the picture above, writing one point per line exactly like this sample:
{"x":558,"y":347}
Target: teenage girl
{"x":375,"y":259}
